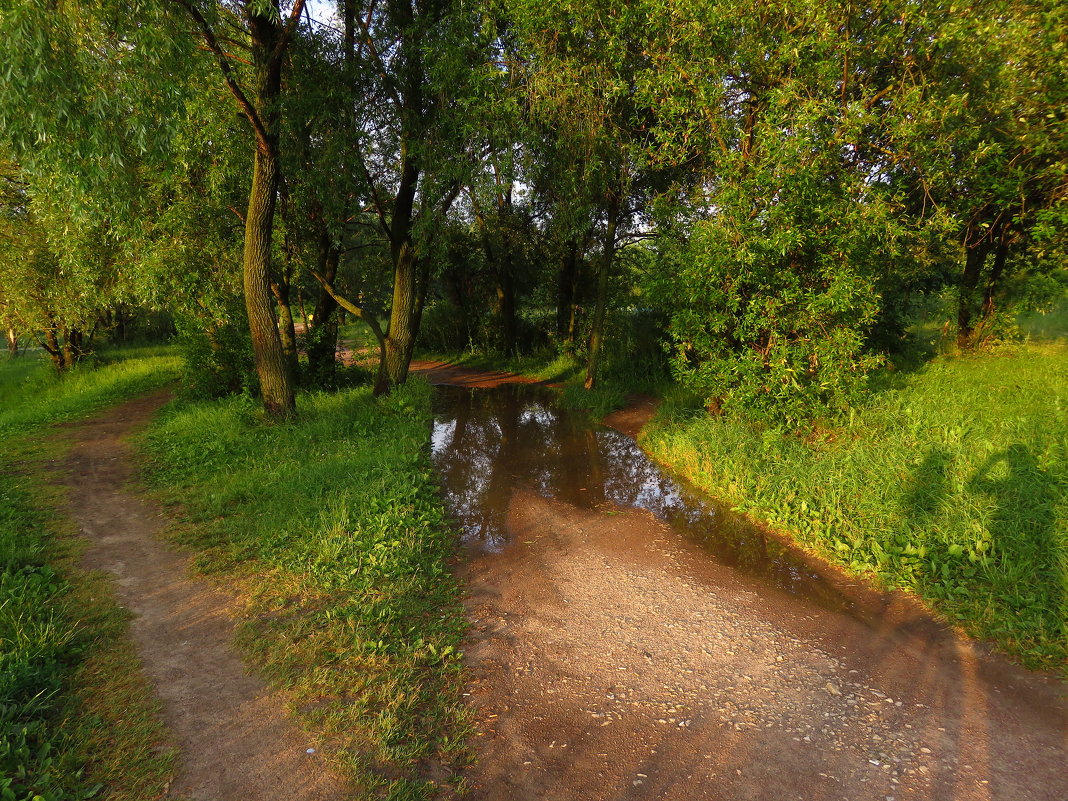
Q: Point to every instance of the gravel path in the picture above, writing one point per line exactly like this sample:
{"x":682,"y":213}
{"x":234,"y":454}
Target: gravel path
{"x":612,"y":659}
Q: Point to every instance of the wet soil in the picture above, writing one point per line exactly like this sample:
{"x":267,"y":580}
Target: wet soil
{"x":235,"y":741}
{"x":631,"y":640}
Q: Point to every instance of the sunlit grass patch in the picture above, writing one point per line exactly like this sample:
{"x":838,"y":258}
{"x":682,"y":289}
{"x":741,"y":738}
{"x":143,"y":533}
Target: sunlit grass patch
{"x":33,"y":394}
{"x":331,"y":528}
{"x":954,"y":486}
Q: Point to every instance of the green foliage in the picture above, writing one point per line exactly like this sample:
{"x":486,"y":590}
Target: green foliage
{"x":332,"y":527}
{"x":953,"y":486}
{"x":770,"y":323}
{"x":217,"y":359}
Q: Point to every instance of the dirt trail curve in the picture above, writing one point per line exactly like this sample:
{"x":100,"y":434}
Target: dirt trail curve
{"x":610,"y":658}
{"x":234,"y":739}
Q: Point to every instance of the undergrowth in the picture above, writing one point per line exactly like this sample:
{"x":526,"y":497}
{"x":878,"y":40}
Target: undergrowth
{"x":331,"y":529}
{"x":77,"y":719}
{"x":952,"y":482}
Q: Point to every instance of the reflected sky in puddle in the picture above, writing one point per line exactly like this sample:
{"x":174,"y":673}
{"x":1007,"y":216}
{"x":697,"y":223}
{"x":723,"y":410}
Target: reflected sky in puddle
{"x":486,"y":442}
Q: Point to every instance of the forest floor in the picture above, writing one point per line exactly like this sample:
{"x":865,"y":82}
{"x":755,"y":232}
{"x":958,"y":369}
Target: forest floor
{"x":234,"y":738}
{"x":610,"y":658}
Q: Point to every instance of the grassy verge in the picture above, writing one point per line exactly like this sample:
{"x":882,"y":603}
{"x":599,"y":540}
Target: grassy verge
{"x":331,"y":531}
{"x":953,"y":484}
{"x":77,"y":720}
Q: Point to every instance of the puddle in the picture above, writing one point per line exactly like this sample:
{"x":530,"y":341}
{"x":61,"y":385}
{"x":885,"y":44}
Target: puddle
{"x":486,"y":442}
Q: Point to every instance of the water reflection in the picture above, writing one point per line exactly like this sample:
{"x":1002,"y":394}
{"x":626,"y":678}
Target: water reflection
{"x":486,"y":442}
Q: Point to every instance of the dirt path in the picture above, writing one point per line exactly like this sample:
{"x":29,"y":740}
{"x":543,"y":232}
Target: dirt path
{"x":454,"y":375}
{"x":610,"y":658}
{"x":234,"y":739}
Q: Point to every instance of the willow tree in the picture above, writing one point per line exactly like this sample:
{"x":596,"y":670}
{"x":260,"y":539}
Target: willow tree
{"x":414,"y":99}
{"x":257,"y":88}
{"x":585,"y":67}
{"x":980,"y":138}
{"x":88,"y":85}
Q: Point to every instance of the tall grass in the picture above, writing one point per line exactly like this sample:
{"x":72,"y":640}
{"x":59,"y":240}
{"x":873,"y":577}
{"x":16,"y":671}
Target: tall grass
{"x":32,"y":394}
{"x":76,"y":717}
{"x":952,"y":484}
{"x":331,"y":528}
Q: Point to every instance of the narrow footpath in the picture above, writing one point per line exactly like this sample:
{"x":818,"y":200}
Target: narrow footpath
{"x":235,"y":741}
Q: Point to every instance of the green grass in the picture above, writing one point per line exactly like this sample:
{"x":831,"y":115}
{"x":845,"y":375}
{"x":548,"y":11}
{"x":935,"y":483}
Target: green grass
{"x":33,"y":395}
{"x":952,"y":483}
{"x":77,"y":719}
{"x":331,"y":530}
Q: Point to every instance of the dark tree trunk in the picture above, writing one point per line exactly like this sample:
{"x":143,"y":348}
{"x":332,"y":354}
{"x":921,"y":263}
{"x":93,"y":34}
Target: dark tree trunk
{"x":565,"y":292}
{"x":506,"y":302}
{"x":72,"y":346}
{"x":975,"y":257}
{"x":53,"y":348}
{"x":120,"y":323}
{"x":287,"y":331}
{"x":405,"y":308}
{"x":603,"y":270}
{"x":322,"y":330}
{"x":993,"y":283}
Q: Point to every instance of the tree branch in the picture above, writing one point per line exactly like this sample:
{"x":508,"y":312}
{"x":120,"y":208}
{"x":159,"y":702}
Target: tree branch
{"x":353,"y":309}
{"x":227,"y":73}
{"x":288,"y":31}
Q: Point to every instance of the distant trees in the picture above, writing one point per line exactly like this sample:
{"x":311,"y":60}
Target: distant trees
{"x":776,"y":184}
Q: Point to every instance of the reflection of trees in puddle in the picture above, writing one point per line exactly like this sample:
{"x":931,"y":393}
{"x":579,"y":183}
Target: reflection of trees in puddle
{"x":486,"y":442}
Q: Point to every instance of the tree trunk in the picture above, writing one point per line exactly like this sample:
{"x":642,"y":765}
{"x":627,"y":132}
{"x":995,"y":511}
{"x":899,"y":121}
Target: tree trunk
{"x":400,"y":338}
{"x":276,"y":383}
{"x":287,"y":331}
{"x":993,"y":283}
{"x":72,"y":346}
{"x":975,"y":257}
{"x":322,"y":331}
{"x":405,"y":308}
{"x":597,"y":328}
{"x":506,"y":304}
{"x":565,"y":292}
{"x":53,"y":349}
{"x":271,"y":367}
{"x":12,"y":343}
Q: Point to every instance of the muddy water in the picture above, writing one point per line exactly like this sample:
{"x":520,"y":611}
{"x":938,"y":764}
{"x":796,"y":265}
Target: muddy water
{"x":488,"y":442}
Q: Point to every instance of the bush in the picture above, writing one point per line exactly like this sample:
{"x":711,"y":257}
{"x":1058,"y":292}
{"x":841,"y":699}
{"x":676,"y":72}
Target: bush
{"x":218,"y":357}
{"x":775,"y":337}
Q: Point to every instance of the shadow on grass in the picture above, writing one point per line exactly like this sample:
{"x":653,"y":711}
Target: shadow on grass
{"x":1009,"y":571}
